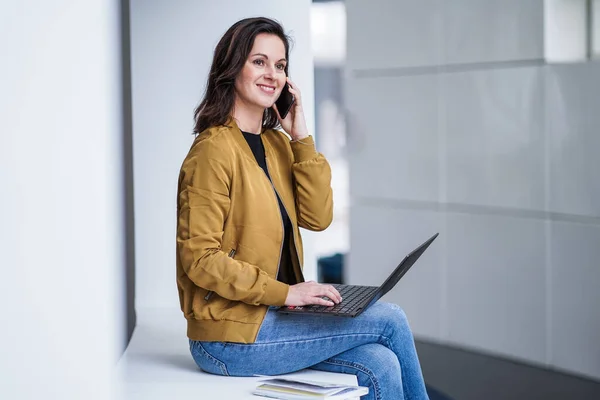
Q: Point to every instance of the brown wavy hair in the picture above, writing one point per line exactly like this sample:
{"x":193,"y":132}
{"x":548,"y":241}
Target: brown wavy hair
{"x":229,"y":58}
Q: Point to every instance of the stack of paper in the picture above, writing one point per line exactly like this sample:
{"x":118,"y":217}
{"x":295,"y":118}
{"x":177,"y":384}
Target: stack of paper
{"x":299,"y":389}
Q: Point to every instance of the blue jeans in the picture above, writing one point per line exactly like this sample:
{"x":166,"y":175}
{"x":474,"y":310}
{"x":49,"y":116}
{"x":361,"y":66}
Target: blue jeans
{"x":377,"y":347}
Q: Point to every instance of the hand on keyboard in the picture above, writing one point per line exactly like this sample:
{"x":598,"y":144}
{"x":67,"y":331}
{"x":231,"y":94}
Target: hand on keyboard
{"x":311,"y":292}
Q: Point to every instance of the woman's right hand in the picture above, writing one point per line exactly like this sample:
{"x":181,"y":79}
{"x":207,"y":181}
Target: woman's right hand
{"x":311,"y":292}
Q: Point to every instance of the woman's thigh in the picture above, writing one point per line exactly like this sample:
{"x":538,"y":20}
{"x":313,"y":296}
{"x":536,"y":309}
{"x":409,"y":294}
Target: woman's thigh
{"x":287,"y":343}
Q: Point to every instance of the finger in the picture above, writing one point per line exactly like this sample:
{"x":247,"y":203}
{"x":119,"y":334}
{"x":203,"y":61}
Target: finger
{"x":333,"y":295}
{"x":292,"y":84}
{"x":333,"y":290}
{"x":323,"y":302}
{"x":293,"y":87}
{"x":276,"y":110}
{"x":339,"y":296}
{"x":326,"y":290}
{"x":316,"y":299}
{"x":294,"y":92}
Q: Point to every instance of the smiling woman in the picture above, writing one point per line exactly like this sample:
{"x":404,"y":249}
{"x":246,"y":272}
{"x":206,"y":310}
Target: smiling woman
{"x":244,"y":191}
{"x":252,"y":52}
{"x":262,"y":81}
{"x":264,"y":71}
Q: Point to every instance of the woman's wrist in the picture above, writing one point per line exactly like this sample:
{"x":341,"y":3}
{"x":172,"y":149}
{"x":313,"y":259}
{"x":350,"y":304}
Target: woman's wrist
{"x":296,"y":138}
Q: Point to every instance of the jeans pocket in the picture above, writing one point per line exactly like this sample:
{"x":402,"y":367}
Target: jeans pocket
{"x":206,"y":361}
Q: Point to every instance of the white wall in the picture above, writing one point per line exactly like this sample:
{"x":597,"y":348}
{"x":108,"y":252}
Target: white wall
{"x":595,"y":28}
{"x":566,"y":30}
{"x":172,"y":48}
{"x":457,"y":125}
{"x":61,"y":241}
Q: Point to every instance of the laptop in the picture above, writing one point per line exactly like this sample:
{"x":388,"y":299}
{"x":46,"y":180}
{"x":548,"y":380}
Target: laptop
{"x":356,"y":298}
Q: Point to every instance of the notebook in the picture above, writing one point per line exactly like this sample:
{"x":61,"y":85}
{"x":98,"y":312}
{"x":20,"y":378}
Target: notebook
{"x":298,"y":389}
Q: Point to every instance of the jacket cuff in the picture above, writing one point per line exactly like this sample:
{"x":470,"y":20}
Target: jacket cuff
{"x":304,"y":149}
{"x":275,"y":293}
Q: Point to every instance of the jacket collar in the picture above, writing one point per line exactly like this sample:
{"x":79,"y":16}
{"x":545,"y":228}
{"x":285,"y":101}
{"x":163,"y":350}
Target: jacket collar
{"x":239,"y":138}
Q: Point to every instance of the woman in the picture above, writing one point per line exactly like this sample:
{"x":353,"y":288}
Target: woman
{"x":244,"y":190}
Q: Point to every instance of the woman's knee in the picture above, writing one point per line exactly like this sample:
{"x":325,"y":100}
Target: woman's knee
{"x":394,"y":316}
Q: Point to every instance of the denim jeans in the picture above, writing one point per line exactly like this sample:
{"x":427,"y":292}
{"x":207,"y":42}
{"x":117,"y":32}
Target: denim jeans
{"x":377,"y":347}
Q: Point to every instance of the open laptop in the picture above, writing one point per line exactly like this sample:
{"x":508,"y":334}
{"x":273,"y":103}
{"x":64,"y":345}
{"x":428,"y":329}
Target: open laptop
{"x":356,"y":298}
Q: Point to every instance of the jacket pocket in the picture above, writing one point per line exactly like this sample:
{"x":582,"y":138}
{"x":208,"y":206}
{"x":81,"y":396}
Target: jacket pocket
{"x":210,"y":292}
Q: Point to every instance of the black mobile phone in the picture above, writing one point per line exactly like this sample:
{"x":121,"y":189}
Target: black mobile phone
{"x":285,"y":101}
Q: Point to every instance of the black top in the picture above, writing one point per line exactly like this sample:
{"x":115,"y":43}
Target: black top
{"x":286,"y":273}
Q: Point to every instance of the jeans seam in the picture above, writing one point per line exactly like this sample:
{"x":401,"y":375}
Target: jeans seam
{"x":353,"y":335}
{"x":214,"y":360}
{"x":361,"y":368}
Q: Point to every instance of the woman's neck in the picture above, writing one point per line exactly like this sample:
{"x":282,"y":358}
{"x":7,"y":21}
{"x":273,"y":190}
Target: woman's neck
{"x":248,"y":119}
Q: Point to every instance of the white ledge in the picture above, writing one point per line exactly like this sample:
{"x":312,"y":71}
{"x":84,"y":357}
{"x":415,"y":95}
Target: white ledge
{"x":158,"y":365}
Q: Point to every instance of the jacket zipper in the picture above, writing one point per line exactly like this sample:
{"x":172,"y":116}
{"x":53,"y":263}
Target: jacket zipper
{"x":210,"y":292}
{"x":282,"y":225}
{"x":267,"y":174}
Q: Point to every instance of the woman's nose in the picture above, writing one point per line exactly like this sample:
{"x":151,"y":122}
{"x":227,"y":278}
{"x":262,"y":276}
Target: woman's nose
{"x":269,"y":71}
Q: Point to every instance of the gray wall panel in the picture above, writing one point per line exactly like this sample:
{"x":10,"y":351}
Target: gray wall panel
{"x":575,"y":277}
{"x":493,"y":123}
{"x":405,"y":33}
{"x":478,"y":31}
{"x":573,"y":120}
{"x":393,"y":33}
{"x":394,"y":138}
{"x":496,"y":285}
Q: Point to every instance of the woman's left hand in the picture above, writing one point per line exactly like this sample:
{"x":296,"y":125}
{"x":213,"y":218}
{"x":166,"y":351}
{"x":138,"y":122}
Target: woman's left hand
{"x":294,"y":123}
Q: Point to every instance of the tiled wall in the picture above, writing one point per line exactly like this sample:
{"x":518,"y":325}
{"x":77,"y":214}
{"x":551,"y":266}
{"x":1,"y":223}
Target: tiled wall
{"x":457,"y":126}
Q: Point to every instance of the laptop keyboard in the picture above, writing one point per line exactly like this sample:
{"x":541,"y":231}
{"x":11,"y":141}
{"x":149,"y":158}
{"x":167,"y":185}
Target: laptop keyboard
{"x":353,"y":297}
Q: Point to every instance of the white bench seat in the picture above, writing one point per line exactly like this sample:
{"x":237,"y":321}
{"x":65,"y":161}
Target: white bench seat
{"x":158,"y":365}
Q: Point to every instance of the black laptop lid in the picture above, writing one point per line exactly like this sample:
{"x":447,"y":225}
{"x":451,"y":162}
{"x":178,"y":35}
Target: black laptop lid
{"x":402,"y":268}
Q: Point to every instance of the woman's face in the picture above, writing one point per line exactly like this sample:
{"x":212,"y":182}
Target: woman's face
{"x":261,"y":80}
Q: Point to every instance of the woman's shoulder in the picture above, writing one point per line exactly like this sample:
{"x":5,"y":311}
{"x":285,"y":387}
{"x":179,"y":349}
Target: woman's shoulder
{"x":215,"y":139}
{"x":214,"y":134}
{"x":211,"y":144}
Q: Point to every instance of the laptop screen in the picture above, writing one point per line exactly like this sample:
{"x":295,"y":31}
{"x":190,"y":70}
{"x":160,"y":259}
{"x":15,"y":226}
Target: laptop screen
{"x":402,"y":268}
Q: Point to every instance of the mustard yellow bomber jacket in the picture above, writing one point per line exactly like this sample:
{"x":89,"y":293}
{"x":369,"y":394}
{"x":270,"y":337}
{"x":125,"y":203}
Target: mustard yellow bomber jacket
{"x":230,"y":231}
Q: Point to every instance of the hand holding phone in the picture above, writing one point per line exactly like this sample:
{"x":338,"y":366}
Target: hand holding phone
{"x":285,"y":101}
{"x":295,"y":126}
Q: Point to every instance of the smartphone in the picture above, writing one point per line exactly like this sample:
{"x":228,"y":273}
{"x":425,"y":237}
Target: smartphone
{"x":285,"y":101}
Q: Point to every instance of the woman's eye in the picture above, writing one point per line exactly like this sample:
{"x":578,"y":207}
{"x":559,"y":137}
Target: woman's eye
{"x":258,"y":62}
{"x":280,"y":67}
